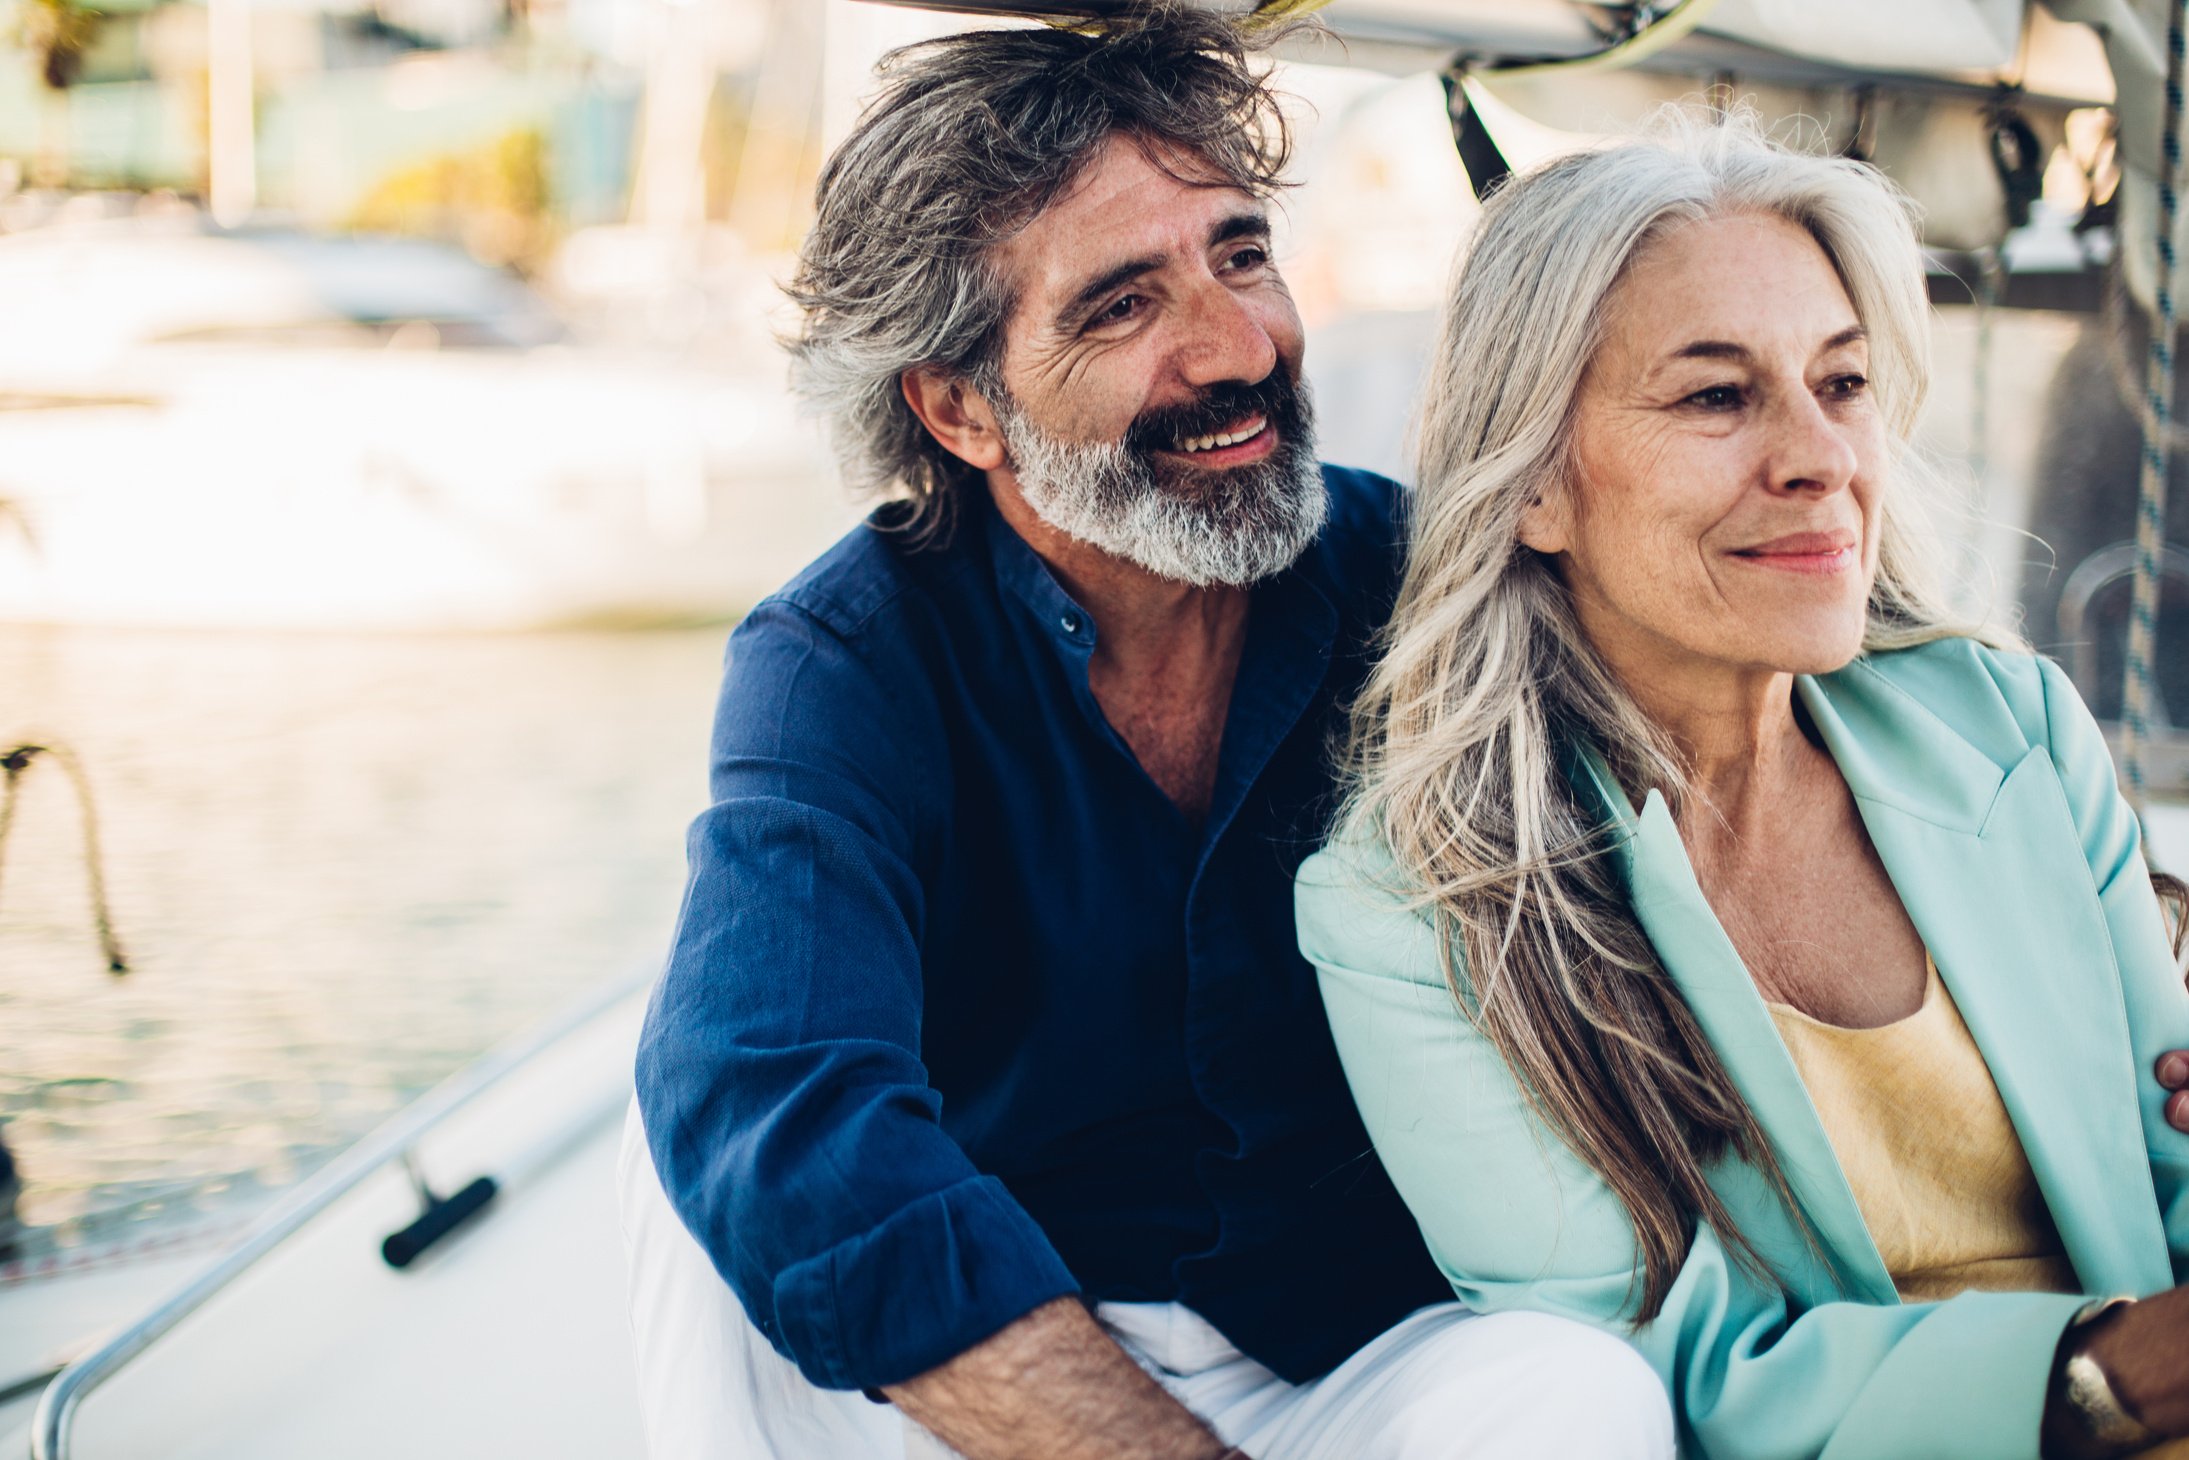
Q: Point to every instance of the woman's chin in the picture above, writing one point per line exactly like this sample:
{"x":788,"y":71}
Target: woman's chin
{"x":1815,"y":657}
{"x":1801,"y":648}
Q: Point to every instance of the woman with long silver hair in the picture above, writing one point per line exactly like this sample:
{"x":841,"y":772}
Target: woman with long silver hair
{"x":1728,"y":943}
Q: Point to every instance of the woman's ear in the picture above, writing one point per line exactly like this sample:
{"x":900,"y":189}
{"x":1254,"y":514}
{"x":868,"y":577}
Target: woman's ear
{"x":955,"y":414}
{"x":1546,"y":523}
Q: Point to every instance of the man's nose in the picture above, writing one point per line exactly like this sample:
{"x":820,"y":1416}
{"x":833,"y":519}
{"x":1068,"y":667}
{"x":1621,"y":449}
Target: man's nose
{"x":1810,"y":451}
{"x":1223,"y":335}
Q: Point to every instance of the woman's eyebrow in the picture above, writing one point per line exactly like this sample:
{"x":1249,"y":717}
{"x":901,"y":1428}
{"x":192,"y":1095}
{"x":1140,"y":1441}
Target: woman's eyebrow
{"x":1728,"y":350}
{"x":1710,"y":350}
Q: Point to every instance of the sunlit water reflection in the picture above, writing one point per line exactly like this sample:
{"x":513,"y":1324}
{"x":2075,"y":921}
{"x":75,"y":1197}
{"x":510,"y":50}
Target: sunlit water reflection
{"x":340,"y":865}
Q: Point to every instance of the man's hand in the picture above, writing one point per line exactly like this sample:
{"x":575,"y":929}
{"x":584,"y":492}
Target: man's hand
{"x":2173,"y":1073}
{"x":1054,"y":1386}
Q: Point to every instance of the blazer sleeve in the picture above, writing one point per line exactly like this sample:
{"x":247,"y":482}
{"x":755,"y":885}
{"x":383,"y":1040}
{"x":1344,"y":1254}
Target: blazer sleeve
{"x":2151,"y":977}
{"x":1516,"y":1220}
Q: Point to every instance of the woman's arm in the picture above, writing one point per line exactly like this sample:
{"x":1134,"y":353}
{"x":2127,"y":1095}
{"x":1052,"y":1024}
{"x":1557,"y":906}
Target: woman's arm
{"x":2141,"y":1349}
{"x":1516,"y":1220}
{"x":2151,"y":978}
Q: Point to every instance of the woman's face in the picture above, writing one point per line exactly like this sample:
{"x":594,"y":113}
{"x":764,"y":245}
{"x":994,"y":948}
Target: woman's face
{"x":1727,"y":463}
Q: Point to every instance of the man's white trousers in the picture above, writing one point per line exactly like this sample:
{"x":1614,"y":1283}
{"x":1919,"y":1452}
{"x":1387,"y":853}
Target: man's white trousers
{"x":1444,"y":1384}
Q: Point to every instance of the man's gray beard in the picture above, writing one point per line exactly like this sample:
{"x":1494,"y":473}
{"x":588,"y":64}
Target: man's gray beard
{"x":1244,"y":523}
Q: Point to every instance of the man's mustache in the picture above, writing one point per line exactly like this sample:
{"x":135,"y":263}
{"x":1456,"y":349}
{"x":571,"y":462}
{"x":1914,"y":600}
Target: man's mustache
{"x":1224,"y":404}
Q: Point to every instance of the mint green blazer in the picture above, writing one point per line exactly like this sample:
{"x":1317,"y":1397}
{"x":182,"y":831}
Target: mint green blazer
{"x":1991,"y":799}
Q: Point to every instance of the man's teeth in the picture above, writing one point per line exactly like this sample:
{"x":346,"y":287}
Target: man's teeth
{"x":1246,"y":432}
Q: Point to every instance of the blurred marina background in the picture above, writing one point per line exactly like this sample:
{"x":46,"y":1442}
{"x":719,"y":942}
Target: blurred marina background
{"x":391,"y":425}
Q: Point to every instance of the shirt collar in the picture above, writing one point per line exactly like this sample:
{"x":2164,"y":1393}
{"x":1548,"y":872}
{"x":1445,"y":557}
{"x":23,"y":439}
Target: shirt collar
{"x":1022,"y":573}
{"x":1292,"y":631}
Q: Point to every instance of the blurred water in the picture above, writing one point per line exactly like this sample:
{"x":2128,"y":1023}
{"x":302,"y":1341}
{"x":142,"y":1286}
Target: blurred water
{"x":340,"y":865}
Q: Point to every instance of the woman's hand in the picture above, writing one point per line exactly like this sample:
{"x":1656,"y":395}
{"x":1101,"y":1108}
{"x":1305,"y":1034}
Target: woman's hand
{"x":2173,"y":1073}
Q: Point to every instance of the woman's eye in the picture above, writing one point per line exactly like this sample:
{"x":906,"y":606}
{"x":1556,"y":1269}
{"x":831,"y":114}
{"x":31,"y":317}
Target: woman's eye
{"x":1717,"y":398}
{"x":1846,"y":387}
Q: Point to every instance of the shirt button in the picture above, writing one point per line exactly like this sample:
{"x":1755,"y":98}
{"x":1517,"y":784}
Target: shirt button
{"x":1069,"y":623}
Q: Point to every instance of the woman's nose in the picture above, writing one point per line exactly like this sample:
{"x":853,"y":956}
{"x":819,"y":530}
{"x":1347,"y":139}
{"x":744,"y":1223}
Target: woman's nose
{"x":1810,"y":451}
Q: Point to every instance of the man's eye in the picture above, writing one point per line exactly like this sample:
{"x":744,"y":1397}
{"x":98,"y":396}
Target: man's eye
{"x":1251,"y":257}
{"x":1717,"y":398}
{"x":1119,"y":310}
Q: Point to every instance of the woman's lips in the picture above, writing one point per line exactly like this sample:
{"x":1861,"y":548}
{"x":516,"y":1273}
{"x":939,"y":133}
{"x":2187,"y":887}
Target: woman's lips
{"x":1803,"y":552}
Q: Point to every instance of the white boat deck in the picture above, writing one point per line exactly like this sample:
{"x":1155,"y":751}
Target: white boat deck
{"x":508,"y":1339}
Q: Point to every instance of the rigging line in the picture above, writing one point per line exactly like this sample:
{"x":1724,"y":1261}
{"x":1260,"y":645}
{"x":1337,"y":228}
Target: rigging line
{"x":2120,"y":356}
{"x":2158,"y":402}
{"x":2021,"y":52}
{"x":1268,"y":12}
{"x":13,"y":764}
{"x":1991,"y":271}
{"x":1284,"y":10}
{"x":1660,"y":29}
{"x":1649,"y":31}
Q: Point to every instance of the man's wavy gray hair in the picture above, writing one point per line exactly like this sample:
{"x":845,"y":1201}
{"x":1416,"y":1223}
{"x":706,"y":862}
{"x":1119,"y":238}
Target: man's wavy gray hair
{"x":970,"y":138}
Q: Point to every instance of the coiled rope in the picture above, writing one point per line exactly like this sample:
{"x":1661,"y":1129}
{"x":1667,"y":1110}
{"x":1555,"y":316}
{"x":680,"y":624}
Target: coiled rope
{"x":12,"y":766}
{"x":2158,"y":399}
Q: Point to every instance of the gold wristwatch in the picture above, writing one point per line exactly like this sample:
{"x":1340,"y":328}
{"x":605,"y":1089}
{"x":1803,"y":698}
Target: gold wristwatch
{"x":2098,"y":1411}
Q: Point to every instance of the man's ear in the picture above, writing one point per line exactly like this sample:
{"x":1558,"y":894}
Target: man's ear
{"x":1546,"y":524}
{"x":955,"y":414}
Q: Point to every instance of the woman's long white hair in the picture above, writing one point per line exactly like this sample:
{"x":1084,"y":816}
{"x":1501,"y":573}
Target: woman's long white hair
{"x":1465,"y":734}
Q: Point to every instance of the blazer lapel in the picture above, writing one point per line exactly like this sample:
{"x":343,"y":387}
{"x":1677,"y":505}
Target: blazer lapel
{"x":1702,"y":961}
{"x":1989,"y":866}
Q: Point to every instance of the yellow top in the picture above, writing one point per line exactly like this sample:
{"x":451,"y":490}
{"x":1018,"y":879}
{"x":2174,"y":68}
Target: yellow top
{"x":1917,"y":1123}
{"x":1919,"y":1128}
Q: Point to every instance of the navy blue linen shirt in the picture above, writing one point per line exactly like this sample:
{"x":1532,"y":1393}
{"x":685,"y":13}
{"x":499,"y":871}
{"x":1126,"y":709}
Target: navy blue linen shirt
{"x":963,"y":1015}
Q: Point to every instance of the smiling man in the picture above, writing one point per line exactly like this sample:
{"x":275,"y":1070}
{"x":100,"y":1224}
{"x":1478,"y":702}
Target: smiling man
{"x":985,"y":1070}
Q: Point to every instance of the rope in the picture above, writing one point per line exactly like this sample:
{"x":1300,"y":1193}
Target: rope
{"x":2158,"y":399}
{"x":2120,"y":356}
{"x":12,"y":766}
{"x":1649,"y":29}
{"x":1268,"y":12}
{"x":1652,"y":27}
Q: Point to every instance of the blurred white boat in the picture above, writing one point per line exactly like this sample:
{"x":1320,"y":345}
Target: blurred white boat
{"x":271,"y":429}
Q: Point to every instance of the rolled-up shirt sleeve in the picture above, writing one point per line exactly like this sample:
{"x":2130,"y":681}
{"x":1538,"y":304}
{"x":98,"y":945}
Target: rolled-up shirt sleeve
{"x":779,"y":1073}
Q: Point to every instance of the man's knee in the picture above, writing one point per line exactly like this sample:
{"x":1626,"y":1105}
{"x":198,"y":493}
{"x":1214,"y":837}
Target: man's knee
{"x":1592,"y":1393}
{"x":1520,"y":1386}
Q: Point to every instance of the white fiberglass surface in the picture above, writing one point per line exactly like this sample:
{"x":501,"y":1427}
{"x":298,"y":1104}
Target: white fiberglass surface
{"x":508,"y":1339}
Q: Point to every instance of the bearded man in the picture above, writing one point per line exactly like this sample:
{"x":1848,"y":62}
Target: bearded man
{"x":985,"y":1070}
